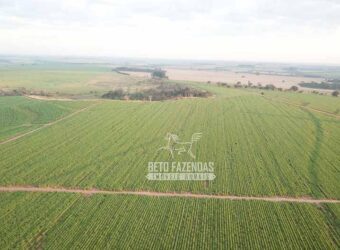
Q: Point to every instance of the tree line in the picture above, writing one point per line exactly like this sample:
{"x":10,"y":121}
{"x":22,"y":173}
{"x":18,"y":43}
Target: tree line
{"x":159,"y":93}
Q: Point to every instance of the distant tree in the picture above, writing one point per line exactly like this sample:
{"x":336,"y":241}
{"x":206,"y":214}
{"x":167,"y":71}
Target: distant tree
{"x":294,"y":88}
{"x":159,"y":73}
{"x":335,"y":93}
{"x":238,"y":85}
{"x":270,"y":87}
{"x":117,"y":94}
{"x":331,"y":84}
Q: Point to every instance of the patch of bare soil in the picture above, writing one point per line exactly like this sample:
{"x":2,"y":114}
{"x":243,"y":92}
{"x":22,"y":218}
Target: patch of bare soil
{"x":48,"y":98}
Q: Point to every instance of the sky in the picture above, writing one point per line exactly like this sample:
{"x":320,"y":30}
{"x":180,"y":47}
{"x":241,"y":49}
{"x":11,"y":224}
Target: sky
{"x":305,"y":31}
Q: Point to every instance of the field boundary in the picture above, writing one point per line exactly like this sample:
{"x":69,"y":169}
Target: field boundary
{"x":165,"y":194}
{"x":46,"y":125}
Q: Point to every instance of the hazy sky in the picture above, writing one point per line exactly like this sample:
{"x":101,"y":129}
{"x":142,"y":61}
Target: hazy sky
{"x":264,"y":30}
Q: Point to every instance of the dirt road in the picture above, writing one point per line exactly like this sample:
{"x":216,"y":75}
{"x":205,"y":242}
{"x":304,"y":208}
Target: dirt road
{"x":163,"y":194}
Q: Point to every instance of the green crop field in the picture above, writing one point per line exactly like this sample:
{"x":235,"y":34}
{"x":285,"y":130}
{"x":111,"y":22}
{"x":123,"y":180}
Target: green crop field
{"x":258,"y":147}
{"x":64,"y":221}
{"x":65,"y":79}
{"x":320,"y":102}
{"x":20,"y":114}
{"x":270,"y":145}
{"x":169,"y":125}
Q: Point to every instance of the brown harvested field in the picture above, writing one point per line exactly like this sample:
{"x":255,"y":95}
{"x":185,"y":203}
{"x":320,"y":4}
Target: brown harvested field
{"x":233,"y":77}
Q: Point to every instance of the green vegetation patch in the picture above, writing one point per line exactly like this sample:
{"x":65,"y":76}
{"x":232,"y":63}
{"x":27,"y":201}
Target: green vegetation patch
{"x":20,"y":114}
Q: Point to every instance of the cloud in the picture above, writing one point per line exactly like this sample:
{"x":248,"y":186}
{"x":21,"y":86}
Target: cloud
{"x":303,"y":30}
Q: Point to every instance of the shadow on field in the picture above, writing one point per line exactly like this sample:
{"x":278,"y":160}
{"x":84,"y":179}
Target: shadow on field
{"x":315,"y":154}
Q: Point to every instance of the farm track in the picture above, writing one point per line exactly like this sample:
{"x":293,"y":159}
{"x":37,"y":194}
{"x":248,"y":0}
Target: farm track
{"x":46,"y":125}
{"x":165,"y":194}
